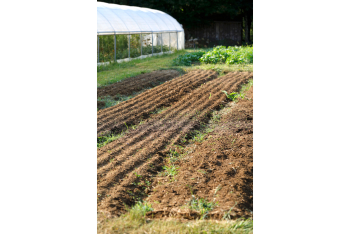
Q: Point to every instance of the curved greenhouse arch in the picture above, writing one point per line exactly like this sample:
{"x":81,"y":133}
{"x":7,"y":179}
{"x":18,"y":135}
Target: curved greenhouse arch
{"x":154,"y":29}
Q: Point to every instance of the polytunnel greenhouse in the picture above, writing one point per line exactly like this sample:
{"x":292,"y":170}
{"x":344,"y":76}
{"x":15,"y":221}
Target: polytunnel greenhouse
{"x":125,"y":32}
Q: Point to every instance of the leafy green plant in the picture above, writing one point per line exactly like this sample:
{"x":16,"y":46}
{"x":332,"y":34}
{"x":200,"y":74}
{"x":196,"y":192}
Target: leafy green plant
{"x":201,"y":205}
{"x":232,"y":95}
{"x":188,"y":58}
{"x":139,"y":210}
{"x":229,"y":55}
{"x":170,"y":170}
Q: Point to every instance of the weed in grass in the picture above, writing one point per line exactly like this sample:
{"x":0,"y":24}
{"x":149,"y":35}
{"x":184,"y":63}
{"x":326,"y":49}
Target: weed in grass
{"x":139,"y":210}
{"x":130,"y":223}
{"x":201,"y":205}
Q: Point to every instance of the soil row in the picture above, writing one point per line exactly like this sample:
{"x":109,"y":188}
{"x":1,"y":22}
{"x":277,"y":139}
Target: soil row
{"x":126,"y":165}
{"x":117,"y":118}
{"x":220,"y":169}
{"x":136,"y":84}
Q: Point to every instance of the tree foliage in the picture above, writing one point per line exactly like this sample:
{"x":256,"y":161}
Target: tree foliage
{"x":193,"y":12}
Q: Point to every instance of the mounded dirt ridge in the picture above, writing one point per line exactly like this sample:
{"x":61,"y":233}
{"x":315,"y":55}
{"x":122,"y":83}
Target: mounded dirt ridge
{"x":131,"y":112}
{"x":126,"y":165}
{"x":219,"y":169}
{"x":136,"y":84}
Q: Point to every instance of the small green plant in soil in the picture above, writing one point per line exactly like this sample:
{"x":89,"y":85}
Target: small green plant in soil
{"x":104,"y":140}
{"x":201,"y":205}
{"x":232,"y":96}
{"x":170,"y":170}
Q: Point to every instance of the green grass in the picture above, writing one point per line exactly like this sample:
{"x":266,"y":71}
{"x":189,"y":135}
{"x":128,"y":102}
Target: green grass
{"x":134,"y":222}
{"x":115,"y":72}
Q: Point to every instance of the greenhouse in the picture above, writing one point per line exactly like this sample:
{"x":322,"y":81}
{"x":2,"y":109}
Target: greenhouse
{"x":125,"y":32}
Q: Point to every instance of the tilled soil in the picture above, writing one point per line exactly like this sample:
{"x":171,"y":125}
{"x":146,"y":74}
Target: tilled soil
{"x":220,"y":169}
{"x":117,"y":118}
{"x":136,"y":84}
{"x":126,"y":167}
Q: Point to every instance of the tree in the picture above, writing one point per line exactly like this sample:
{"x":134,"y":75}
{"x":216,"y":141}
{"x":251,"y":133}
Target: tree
{"x":190,"y":13}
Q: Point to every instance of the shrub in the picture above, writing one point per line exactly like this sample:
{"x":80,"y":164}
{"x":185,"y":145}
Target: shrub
{"x":229,"y":55}
{"x":188,"y":58}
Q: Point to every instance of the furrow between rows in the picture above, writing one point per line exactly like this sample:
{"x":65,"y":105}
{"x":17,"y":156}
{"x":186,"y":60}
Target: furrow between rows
{"x":174,"y":124}
{"x":118,"y":122}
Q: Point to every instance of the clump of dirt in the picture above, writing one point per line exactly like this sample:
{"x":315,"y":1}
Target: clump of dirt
{"x":127,"y":166}
{"x":135,"y":84}
{"x":100,"y":104}
{"x":220,"y":170}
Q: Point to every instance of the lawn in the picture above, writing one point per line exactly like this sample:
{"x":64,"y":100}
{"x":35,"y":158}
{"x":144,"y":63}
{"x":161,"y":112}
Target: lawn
{"x":118,"y":71}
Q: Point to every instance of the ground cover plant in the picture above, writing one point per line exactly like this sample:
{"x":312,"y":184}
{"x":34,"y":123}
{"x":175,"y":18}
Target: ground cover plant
{"x":115,"y":72}
{"x":229,"y":55}
{"x":188,"y":58}
{"x":134,"y":223}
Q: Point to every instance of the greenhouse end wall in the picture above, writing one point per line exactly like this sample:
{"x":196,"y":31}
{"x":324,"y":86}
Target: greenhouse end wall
{"x":124,"y":47}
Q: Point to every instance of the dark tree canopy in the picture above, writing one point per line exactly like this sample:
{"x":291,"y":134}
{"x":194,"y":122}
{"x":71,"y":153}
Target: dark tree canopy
{"x":193,"y":12}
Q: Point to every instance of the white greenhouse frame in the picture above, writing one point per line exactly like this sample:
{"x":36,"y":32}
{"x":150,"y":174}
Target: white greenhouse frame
{"x":113,"y":19}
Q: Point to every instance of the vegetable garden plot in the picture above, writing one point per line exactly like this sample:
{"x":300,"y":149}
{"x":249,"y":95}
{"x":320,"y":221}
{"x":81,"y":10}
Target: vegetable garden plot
{"x":127,"y":166}
{"x":117,"y":118}
{"x":134,"y":84}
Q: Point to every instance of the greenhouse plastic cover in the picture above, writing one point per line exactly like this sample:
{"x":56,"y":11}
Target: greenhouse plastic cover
{"x":120,"y":19}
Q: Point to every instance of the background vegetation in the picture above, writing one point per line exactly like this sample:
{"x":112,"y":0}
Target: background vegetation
{"x":191,"y":13}
{"x":106,"y":47}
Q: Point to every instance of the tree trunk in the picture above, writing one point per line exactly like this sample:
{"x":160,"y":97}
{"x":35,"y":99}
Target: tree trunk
{"x":247,"y":27}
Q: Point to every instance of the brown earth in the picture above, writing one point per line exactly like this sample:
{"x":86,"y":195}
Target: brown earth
{"x":128,"y":166}
{"x":223,"y":162}
{"x":138,"y":83}
{"x":117,"y":118}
